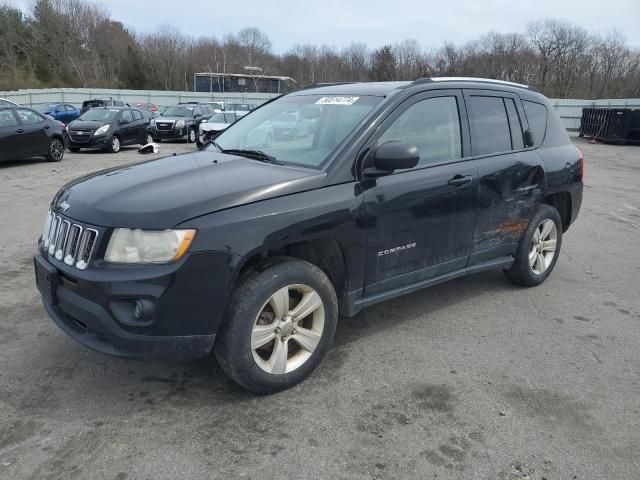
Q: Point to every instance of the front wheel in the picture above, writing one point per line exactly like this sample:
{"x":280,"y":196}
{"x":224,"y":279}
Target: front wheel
{"x":538,"y":250}
{"x":56,"y":150}
{"x":279,"y":326}
{"x":114,"y":145}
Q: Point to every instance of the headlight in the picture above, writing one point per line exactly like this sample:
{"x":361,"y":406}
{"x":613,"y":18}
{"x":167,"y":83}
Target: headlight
{"x":180,"y":124}
{"x":148,"y":246}
{"x":204,"y":121}
{"x":153,"y":122}
{"x":102,"y":129}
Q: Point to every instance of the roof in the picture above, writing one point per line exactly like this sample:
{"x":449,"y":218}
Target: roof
{"x":243,"y":75}
{"x":385,"y":88}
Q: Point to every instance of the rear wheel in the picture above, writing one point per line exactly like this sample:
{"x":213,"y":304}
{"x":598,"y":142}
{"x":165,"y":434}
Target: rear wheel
{"x":56,"y":150}
{"x":279,"y":326}
{"x":191,"y":137}
{"x":148,"y":139}
{"x":538,"y":250}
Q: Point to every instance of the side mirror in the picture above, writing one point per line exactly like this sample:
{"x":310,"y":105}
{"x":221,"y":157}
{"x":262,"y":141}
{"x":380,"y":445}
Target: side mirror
{"x":390,"y":156}
{"x":528,"y":138}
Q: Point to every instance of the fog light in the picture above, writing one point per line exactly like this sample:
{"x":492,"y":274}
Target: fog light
{"x":143,"y":310}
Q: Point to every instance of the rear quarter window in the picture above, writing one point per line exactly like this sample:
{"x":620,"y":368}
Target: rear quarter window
{"x":537,"y":117}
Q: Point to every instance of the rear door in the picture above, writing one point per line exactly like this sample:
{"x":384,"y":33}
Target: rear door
{"x":511,"y":176}
{"x":140,"y":125}
{"x":33,"y":132}
{"x":420,"y":221}
{"x":127,"y":127}
{"x":9,"y":136}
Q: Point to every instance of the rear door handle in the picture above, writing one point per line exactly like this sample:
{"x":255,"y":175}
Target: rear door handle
{"x":20,"y":130}
{"x":460,"y":180}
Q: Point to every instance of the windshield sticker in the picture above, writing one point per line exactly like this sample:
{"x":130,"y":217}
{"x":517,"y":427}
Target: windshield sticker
{"x":337,"y":100}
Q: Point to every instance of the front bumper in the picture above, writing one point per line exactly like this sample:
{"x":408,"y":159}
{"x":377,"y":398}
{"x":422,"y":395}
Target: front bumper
{"x":95,"y":306}
{"x":175,"y":133}
{"x":92,"y":141}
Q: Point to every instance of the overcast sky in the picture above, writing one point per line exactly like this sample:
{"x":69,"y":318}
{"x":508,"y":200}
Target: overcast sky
{"x":375,"y":22}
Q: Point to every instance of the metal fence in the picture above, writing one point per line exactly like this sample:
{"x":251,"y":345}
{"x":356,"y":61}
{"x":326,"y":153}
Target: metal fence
{"x":76,"y":96}
{"x":570,"y":110}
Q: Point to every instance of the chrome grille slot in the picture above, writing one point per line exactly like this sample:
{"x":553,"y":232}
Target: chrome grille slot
{"x":87,"y":243}
{"x":68,"y":242}
{"x":47,"y":227}
{"x":53,"y":234}
{"x":71,"y":245}
{"x":61,"y":238}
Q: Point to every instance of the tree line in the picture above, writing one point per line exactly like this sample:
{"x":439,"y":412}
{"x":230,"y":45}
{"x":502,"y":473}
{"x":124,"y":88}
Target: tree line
{"x":74,"y":43}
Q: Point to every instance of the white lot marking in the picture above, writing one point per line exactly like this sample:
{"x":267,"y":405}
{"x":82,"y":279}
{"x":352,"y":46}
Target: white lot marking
{"x":631,"y":207}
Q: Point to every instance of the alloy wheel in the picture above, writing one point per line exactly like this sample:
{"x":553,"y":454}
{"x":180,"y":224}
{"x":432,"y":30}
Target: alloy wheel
{"x":57,"y":149}
{"x":543,"y":246}
{"x":115,"y":144}
{"x":288,"y":329}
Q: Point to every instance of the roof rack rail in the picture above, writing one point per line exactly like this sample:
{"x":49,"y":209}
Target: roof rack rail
{"x":326,"y":84}
{"x":469,"y":79}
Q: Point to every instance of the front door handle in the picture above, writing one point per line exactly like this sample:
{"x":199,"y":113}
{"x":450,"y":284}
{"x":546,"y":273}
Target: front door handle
{"x":460,"y":180}
{"x":20,"y":130}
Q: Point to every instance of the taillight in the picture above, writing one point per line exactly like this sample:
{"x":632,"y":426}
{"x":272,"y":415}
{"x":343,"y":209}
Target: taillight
{"x":581,"y":163}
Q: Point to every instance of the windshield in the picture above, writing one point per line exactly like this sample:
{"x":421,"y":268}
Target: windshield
{"x":45,"y":108}
{"x":100,"y":115}
{"x":178,"y":112}
{"x":223,"y":118}
{"x":299,"y":130}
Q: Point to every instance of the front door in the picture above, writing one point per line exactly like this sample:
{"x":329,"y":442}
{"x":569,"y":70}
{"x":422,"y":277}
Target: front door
{"x":421,"y":220}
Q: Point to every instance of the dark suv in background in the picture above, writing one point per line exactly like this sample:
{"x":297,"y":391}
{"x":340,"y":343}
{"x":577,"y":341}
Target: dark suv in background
{"x":254,"y":248}
{"x":180,"y":121}
{"x":109,"y":129}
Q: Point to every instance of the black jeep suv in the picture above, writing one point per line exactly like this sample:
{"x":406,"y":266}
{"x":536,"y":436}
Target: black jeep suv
{"x":253,"y":248}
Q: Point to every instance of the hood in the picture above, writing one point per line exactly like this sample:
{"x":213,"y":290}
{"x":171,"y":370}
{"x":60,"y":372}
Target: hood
{"x":206,"y":127}
{"x":171,"y":119}
{"x":87,"y":124}
{"x":163,"y":193}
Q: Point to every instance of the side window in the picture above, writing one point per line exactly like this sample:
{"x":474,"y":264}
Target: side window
{"x":489,"y":125}
{"x":27,"y":117}
{"x":126,"y":116}
{"x":537,"y":116}
{"x":433,"y":125}
{"x":517,"y":137}
{"x":8,"y":119}
{"x":69,"y":108}
{"x":136,"y":115}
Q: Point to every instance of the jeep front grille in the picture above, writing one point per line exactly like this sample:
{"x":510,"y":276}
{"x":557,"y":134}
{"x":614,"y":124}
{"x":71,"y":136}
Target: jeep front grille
{"x":68,"y":242}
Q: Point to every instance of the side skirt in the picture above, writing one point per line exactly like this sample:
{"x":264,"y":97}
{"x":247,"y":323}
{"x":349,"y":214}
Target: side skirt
{"x":353,"y":304}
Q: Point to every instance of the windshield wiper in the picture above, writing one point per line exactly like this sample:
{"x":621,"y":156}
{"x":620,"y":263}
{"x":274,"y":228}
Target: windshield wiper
{"x":253,"y":154}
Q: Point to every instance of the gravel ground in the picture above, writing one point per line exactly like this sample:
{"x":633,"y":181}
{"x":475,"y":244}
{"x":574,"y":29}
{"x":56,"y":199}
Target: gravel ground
{"x":470,"y":379}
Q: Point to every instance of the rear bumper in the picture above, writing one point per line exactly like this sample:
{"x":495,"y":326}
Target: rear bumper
{"x":96,"y":307}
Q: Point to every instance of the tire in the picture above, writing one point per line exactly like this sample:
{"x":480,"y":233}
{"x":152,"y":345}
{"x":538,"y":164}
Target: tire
{"x":199,"y":142}
{"x":536,"y":257}
{"x":114,"y":145}
{"x":148,"y":139}
{"x":74,"y":149}
{"x":55,"y":153}
{"x":192,"y":135}
{"x":251,"y":320}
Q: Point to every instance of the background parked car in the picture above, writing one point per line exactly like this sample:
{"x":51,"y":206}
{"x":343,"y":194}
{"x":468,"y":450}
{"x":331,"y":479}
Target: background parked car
{"x":102,"y":102}
{"x":217,"y":107}
{"x":240,"y":109}
{"x":60,"y":111}
{"x":147,"y":106}
{"x":211,"y":128}
{"x":25,"y":133}
{"x":179,"y":121}
{"x":109,"y":129}
{"x":7,"y":103}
